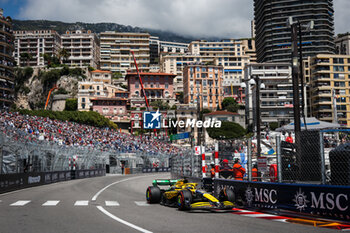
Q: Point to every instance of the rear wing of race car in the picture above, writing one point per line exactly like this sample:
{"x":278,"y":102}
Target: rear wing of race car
{"x":163,"y":182}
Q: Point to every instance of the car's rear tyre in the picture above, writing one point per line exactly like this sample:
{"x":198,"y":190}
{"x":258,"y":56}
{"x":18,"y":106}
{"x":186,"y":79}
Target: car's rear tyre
{"x":153,"y":194}
{"x":227,"y":195}
{"x":184,"y":200}
{"x":162,"y":199}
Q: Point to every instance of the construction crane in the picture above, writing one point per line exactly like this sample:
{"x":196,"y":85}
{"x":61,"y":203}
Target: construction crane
{"x":138,"y":74}
{"x":48,"y":96}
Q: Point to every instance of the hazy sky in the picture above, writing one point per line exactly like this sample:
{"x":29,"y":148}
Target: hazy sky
{"x":219,"y":18}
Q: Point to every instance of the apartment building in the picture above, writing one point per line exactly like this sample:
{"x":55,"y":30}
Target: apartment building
{"x":276,"y":98}
{"x":273,"y":34}
{"x":249,"y":49}
{"x":7,"y":77}
{"x":159,"y":48}
{"x":116,"y":50}
{"x":157,"y":86}
{"x":330,"y":88}
{"x":83,"y":48}
{"x":100,"y":95}
{"x":30,"y":46}
{"x":175,"y":63}
{"x":342,"y":44}
{"x":203,"y":83}
{"x":173,"y":47}
{"x":154,"y":49}
{"x":228,"y":53}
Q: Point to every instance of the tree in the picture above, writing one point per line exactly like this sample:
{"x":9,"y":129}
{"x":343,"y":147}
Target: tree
{"x":63,"y":54}
{"x":49,"y":59}
{"x":273,"y":125}
{"x":117,"y":75}
{"x":230,"y":104}
{"x":204,"y":111}
{"x":180,"y":97}
{"x":21,"y":76}
{"x":160,"y":105}
{"x":228,"y":130}
{"x":27,"y":57}
{"x":71,"y":105}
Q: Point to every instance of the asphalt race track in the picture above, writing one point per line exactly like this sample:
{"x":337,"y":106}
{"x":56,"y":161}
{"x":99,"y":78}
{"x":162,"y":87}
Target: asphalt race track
{"x":117,"y":204}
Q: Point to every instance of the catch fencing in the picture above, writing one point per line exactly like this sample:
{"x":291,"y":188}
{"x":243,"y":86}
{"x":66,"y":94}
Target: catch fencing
{"x":316,"y":157}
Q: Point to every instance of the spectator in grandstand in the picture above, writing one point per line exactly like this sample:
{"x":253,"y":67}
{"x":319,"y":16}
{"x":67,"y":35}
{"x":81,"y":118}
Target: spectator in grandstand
{"x":77,"y":135}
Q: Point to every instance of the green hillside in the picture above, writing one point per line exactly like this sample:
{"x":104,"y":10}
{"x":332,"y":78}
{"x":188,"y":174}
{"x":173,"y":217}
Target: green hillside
{"x":62,"y":27}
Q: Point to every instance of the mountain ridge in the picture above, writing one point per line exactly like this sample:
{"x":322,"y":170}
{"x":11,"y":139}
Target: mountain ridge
{"x":62,"y":27}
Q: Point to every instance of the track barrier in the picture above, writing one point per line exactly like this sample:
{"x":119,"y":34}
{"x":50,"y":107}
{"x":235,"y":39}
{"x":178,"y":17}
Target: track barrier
{"x":15,"y":181}
{"x":326,"y":201}
{"x":152,"y":170}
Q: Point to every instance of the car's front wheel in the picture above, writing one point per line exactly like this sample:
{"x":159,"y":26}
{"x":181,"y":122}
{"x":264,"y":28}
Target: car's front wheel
{"x":184,"y":200}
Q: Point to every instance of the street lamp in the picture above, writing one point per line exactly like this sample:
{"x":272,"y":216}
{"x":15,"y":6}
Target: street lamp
{"x":255,"y":81}
{"x":309,"y":27}
{"x":297,"y":73}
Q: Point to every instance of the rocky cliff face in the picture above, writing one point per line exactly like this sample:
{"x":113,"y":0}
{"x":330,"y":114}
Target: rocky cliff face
{"x":35,"y":94}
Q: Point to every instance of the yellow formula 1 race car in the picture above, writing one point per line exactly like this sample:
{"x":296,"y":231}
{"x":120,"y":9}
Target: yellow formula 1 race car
{"x":186,"y":196}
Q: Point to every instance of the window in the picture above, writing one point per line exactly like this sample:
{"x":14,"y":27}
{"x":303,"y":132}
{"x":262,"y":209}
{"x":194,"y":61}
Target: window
{"x":339,"y":84}
{"x":338,"y":68}
{"x":338,"y":60}
{"x":339,"y":76}
{"x":98,"y":88}
{"x":166,"y":85}
{"x":136,"y":85}
{"x":83,"y":106}
{"x":83,"y":100}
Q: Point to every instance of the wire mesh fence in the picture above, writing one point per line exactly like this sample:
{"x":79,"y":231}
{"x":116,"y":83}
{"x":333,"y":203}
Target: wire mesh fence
{"x":316,"y":157}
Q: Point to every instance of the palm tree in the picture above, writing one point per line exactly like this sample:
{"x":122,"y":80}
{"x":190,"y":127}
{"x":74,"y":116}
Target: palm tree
{"x":27,"y":57}
{"x":63,"y":54}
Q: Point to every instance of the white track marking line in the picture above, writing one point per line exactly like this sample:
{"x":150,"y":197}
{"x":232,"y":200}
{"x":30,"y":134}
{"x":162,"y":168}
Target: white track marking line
{"x":112,"y":203}
{"x":99,"y":192}
{"x":243,"y":211}
{"x":81,"y":203}
{"x":50,"y":203}
{"x":257,"y":215}
{"x":141,"y":203}
{"x":280,"y":220}
{"x":122,"y":221}
{"x":20,"y":203}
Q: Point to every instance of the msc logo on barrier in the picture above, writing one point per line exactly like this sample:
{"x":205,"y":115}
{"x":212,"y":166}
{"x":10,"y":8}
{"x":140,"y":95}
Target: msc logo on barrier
{"x":152,"y":120}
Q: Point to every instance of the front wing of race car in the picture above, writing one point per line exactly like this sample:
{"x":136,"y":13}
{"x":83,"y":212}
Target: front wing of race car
{"x":211,"y":204}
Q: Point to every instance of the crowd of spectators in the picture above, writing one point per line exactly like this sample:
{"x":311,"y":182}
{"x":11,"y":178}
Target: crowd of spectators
{"x":24,"y":127}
